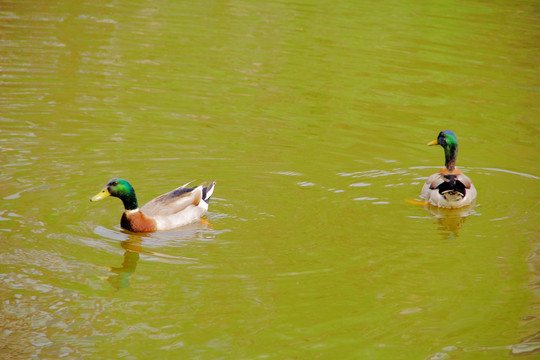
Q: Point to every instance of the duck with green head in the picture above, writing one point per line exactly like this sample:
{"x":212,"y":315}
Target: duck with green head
{"x":448,"y":188}
{"x":176,"y":208}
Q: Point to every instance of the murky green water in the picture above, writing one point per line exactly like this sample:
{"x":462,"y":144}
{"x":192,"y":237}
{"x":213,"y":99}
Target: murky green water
{"x":313,"y":118}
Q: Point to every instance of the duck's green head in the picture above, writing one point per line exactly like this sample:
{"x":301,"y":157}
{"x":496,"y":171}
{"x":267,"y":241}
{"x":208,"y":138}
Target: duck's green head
{"x":448,"y":140}
{"x":121,"y":189}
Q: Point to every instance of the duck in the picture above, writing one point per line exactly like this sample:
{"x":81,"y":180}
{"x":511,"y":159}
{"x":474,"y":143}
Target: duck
{"x":449,"y":187}
{"x":179,"y":207}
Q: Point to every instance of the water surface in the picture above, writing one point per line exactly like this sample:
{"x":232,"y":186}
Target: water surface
{"x":313,"y":119}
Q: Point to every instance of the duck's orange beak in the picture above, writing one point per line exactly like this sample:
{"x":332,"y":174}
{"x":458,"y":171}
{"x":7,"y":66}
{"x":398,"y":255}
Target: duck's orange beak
{"x":101,"y":195}
{"x":434,"y":142}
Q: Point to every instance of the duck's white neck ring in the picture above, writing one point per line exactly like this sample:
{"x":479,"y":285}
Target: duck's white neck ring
{"x":128,"y":212}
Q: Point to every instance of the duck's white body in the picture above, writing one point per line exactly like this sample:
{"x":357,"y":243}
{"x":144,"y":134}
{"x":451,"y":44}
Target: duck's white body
{"x":179,"y":207}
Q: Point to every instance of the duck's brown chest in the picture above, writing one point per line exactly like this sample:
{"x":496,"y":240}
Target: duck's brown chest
{"x":137,"y":222}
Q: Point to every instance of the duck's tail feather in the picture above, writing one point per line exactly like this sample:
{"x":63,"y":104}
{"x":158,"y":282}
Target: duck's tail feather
{"x":452,"y":184}
{"x":208,"y":191}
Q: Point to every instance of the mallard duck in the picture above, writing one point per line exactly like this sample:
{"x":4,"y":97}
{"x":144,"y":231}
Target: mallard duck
{"x":448,"y":188}
{"x":176,"y":208}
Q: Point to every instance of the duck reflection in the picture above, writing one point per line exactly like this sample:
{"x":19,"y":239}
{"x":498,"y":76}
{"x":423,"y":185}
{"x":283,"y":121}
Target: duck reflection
{"x":119,"y":277}
{"x":450,"y":220}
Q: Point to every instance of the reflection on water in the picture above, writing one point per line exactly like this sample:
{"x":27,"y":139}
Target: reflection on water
{"x":120,"y":275}
{"x":450,"y":220}
{"x":528,"y":346}
{"x":134,"y":248}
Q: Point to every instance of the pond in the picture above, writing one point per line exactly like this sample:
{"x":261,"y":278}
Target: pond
{"x":313,"y":118}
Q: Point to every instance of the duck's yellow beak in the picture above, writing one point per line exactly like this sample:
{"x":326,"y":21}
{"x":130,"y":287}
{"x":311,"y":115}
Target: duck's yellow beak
{"x":434,"y":142}
{"x":101,"y":195}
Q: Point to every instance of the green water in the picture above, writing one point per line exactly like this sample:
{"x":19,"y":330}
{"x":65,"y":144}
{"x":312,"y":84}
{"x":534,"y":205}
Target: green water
{"x":313,"y":118}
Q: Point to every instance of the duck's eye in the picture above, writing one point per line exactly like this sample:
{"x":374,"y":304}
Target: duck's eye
{"x":442,"y":140}
{"x":114,"y":183}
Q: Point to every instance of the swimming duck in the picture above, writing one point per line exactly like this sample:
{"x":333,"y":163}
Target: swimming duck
{"x":448,"y":188}
{"x":176,"y":208}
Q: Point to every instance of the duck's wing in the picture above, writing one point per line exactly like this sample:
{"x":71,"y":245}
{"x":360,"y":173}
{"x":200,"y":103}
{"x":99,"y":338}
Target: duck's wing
{"x":435,"y":180}
{"x":173,"y":202}
{"x":464,"y":179}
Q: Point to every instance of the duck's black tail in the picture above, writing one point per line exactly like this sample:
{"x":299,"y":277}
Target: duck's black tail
{"x":208,"y":191}
{"x":452,"y":185}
